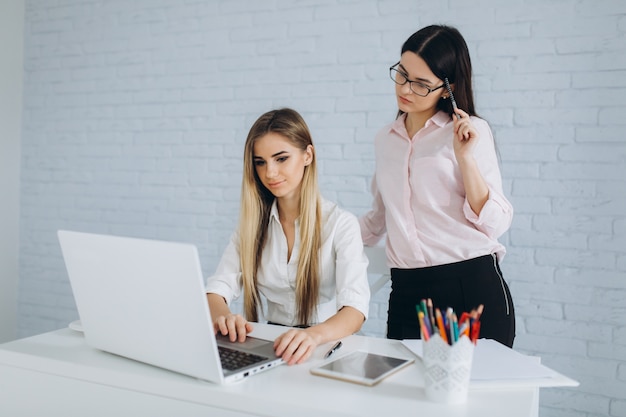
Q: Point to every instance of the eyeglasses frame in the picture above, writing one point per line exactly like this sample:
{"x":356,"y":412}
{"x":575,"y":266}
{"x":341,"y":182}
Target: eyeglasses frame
{"x":393,"y":78}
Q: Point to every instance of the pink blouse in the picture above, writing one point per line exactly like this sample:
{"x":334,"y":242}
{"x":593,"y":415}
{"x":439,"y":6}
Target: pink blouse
{"x":419,"y":200}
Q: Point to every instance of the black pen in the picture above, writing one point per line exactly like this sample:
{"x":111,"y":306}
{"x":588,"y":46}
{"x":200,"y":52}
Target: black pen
{"x":454,"y":107}
{"x":333,"y":349}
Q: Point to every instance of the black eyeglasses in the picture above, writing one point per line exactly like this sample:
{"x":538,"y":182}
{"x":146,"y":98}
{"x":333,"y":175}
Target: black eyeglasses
{"x":417,"y":87}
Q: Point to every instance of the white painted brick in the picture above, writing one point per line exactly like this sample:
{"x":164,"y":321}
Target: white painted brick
{"x":522,"y":13}
{"x":601,"y":206}
{"x":538,"y":239}
{"x":573,"y":330}
{"x":576,"y":117}
{"x":611,"y":116}
{"x":606,"y":350}
{"x":345,"y":183}
{"x":244,"y":6}
{"x":572,"y":224}
{"x":600,"y":369}
{"x":554,"y":188}
{"x":621,"y":263}
{"x":551,"y":63}
{"x":538,"y":153}
{"x":576,"y":26}
{"x":309,"y":29}
{"x":347,"y":11}
{"x":350,"y":41}
{"x":531,"y":308}
{"x":609,"y":79}
{"x":617,"y":408}
{"x":579,"y":170}
{"x":616,"y":389}
{"x":531,"y":205}
{"x":612,"y":243}
{"x":513,"y":170}
{"x":608,"y":153}
{"x":565,"y":412}
{"x":135,"y":116}
{"x":605,"y":308}
{"x":592,"y":96}
{"x":575,"y":258}
{"x":393,"y":29}
{"x":508,"y":47}
{"x":533,"y":344}
{"x":605,"y":8}
{"x":554,"y":292}
{"x":600,"y":134}
{"x":513,"y":271}
{"x":528,"y":98}
{"x":534,"y":134}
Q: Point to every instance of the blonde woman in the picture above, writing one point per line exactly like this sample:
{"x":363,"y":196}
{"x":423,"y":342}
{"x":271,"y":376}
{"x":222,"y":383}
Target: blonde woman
{"x":294,"y":252}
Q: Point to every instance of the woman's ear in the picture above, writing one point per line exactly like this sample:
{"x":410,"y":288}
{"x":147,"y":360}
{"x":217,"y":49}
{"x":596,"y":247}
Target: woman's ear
{"x":308,"y":155}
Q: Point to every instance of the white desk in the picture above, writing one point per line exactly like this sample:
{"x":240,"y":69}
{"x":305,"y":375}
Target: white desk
{"x":57,"y":374}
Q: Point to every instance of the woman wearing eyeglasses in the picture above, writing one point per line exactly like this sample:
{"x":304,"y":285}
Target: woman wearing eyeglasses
{"x":437,"y":192}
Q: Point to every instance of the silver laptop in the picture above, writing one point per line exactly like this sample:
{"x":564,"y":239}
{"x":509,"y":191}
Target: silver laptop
{"x":145,"y":300}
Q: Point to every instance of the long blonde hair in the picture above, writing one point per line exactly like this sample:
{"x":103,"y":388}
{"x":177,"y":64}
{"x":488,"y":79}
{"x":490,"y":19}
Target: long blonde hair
{"x":256,"y":203}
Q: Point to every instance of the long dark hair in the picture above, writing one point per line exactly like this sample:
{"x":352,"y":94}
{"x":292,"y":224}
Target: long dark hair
{"x":445,"y":52}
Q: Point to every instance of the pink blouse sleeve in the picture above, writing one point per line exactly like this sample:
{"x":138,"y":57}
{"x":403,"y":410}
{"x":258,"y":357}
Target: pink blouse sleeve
{"x":497,"y":214}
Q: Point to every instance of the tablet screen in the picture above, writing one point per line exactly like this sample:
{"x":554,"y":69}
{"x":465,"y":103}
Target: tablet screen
{"x":362,"y":367}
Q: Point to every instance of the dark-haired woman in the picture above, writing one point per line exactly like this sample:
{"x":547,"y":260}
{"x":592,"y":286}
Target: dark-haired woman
{"x":437,"y":192}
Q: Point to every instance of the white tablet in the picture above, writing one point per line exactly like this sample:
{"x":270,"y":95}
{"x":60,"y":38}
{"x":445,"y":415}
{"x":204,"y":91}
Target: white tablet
{"x":362,"y":367}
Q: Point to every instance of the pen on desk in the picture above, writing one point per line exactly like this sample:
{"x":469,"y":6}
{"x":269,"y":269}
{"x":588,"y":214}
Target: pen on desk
{"x":333,"y":349}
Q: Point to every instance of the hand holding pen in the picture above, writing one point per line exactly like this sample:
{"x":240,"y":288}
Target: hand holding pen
{"x":464,"y":130}
{"x":463,"y":127}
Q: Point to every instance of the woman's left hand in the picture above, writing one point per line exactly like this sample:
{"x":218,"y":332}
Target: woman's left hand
{"x":295,"y":346}
{"x":465,"y":134}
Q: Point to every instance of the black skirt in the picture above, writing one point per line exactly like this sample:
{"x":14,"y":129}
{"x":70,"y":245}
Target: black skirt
{"x":461,"y":285}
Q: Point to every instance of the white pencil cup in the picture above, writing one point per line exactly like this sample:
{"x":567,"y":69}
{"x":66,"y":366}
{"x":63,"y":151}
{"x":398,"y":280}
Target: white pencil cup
{"x":448,"y":369}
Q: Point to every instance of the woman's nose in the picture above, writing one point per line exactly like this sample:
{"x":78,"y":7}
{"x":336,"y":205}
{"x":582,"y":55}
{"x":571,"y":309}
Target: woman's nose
{"x":271,"y":171}
{"x":406,"y":88}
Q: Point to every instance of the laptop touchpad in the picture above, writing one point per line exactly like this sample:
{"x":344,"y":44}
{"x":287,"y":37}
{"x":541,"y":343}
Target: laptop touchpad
{"x":250,"y":343}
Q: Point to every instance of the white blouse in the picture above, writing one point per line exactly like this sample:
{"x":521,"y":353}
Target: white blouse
{"x":343,"y":280}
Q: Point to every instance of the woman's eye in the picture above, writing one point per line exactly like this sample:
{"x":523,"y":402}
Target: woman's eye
{"x":282,"y":158}
{"x":259,"y":163}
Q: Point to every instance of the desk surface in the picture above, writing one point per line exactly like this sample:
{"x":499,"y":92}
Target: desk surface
{"x":57,"y":373}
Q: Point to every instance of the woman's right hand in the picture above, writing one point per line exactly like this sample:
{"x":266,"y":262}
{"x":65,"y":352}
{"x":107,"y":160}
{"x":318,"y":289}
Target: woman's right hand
{"x":235,"y":326}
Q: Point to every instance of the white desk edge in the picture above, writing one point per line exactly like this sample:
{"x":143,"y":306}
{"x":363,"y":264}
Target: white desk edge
{"x":62,"y":357}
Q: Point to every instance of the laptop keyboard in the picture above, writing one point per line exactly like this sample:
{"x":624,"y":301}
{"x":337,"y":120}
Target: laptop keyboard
{"x":235,"y":359}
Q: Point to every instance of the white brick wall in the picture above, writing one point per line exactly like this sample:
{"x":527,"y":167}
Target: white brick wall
{"x":135,"y":114}
{"x":11,"y":82}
